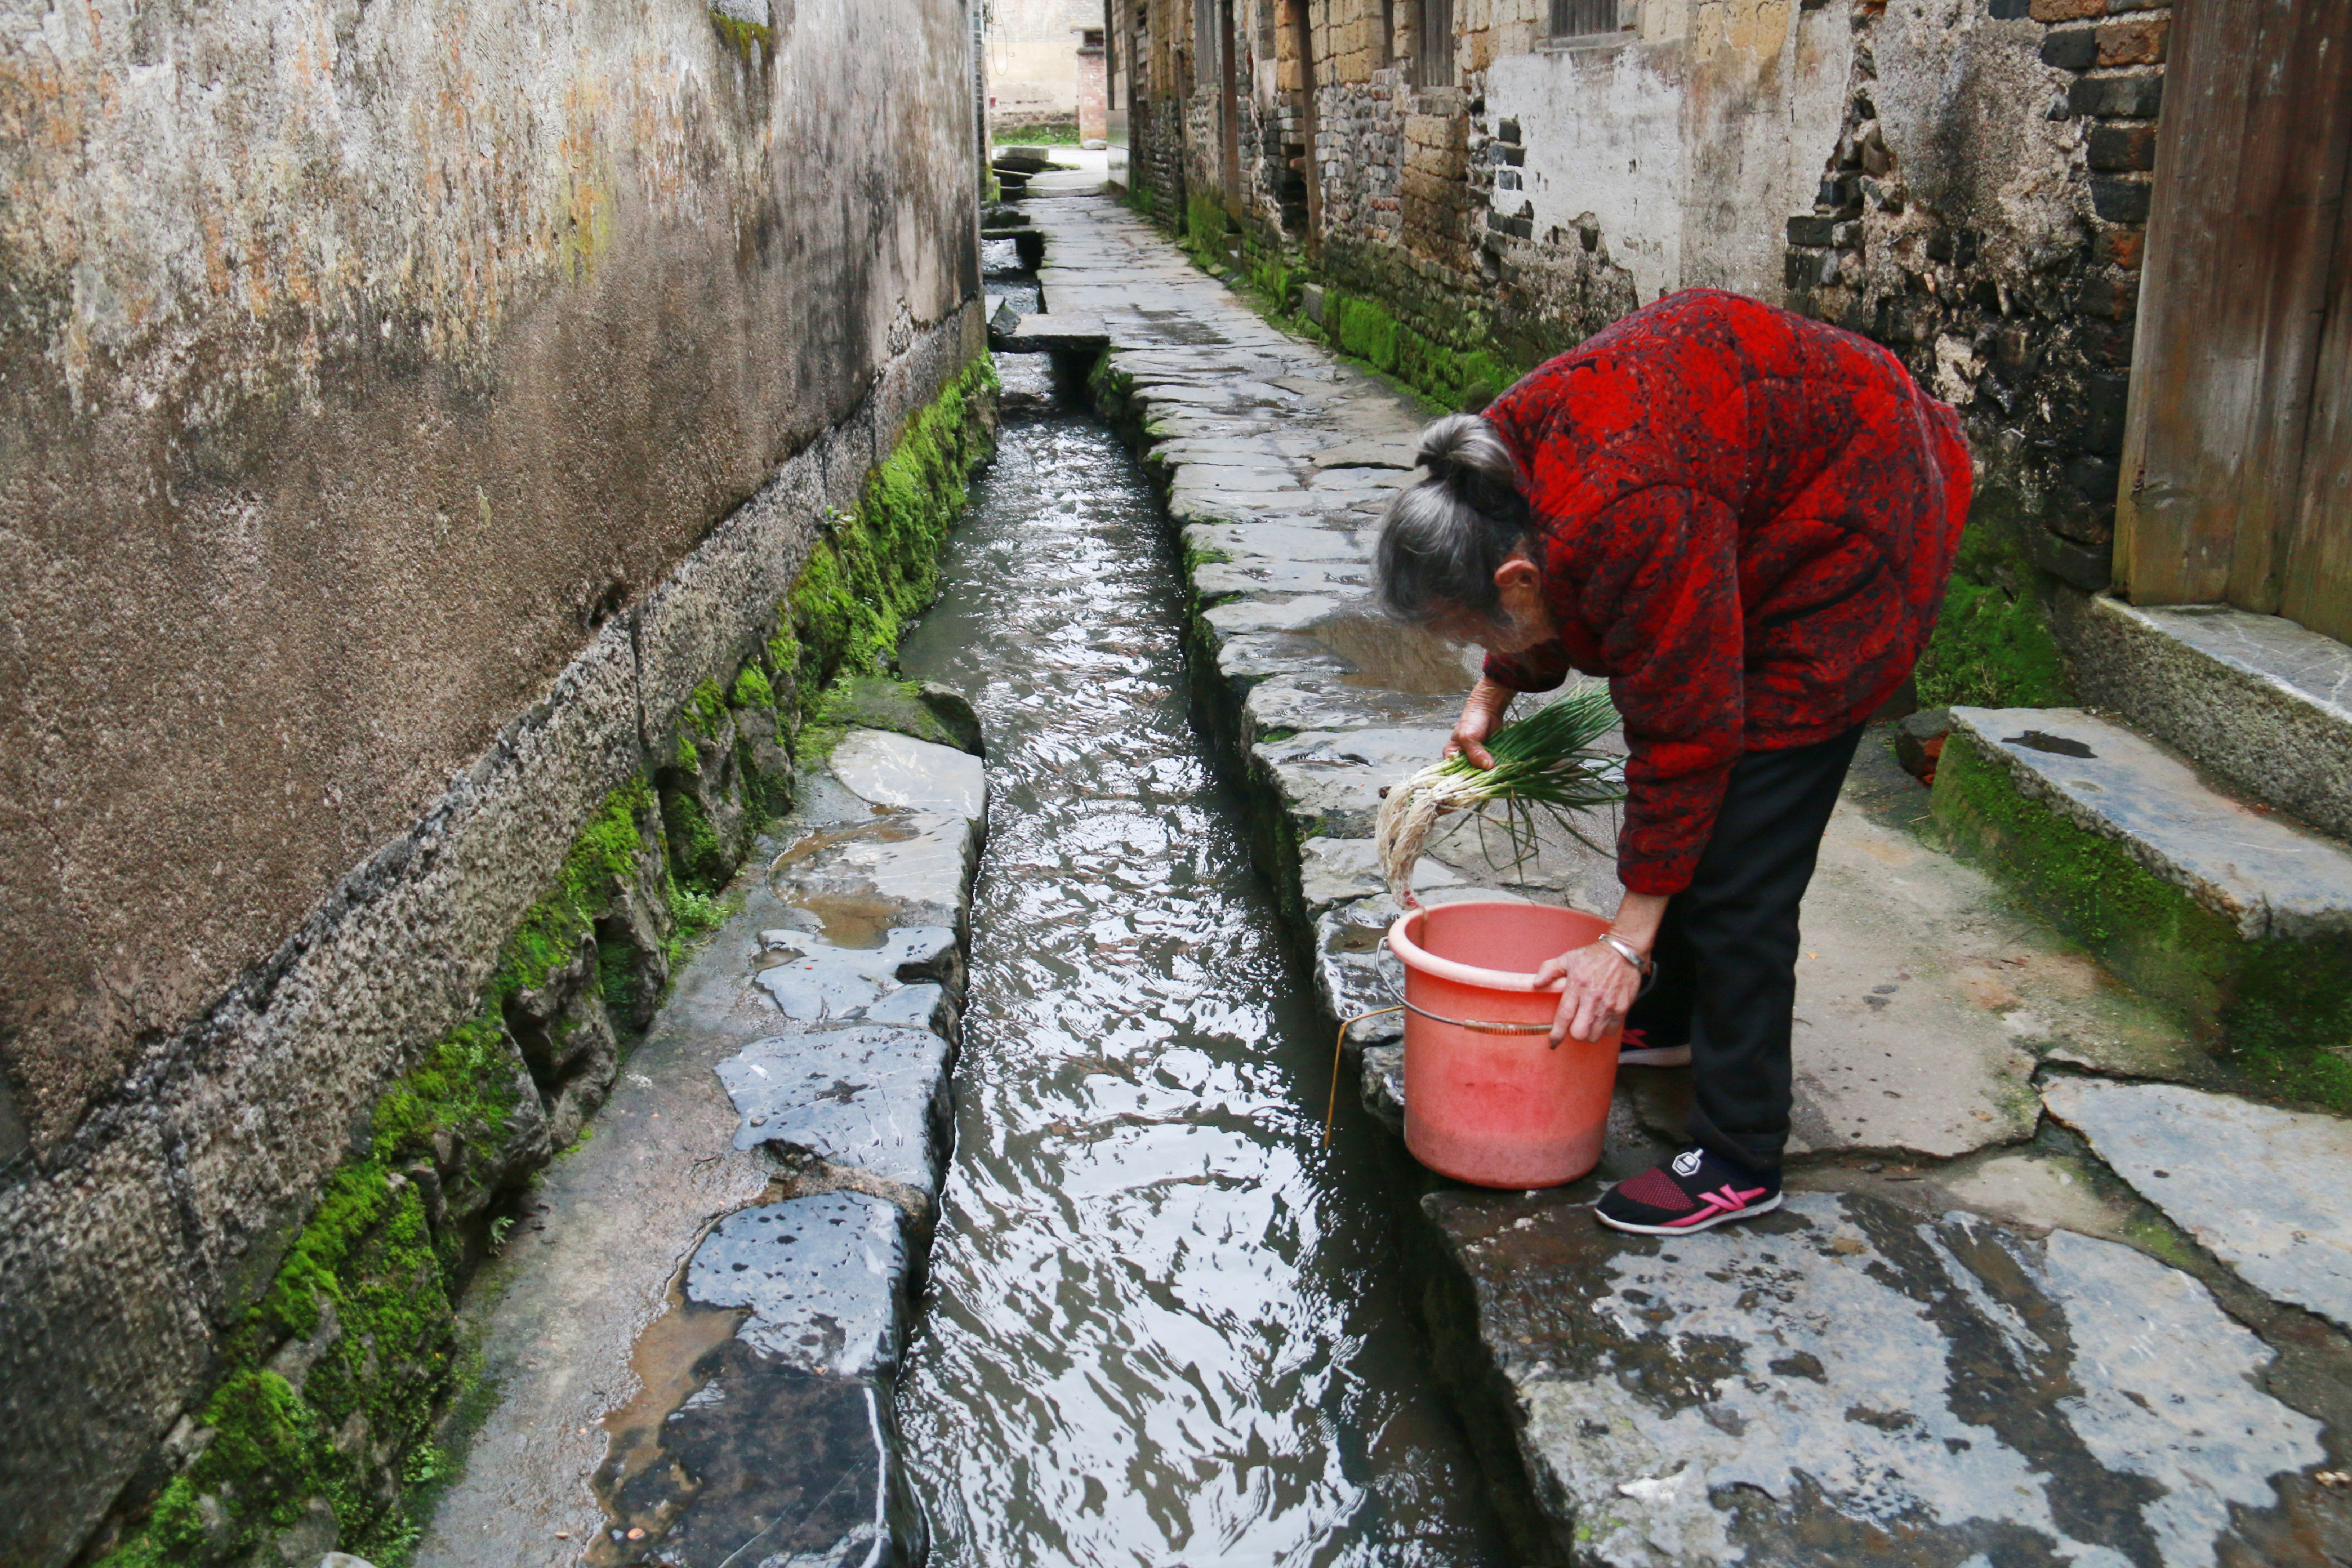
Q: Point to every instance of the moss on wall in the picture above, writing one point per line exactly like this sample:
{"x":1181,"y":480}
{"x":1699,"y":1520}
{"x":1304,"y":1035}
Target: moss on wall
{"x":878,"y":566}
{"x":1992,"y":649}
{"x":321,"y":1428}
{"x":1992,"y":646}
{"x":2278,"y":1012}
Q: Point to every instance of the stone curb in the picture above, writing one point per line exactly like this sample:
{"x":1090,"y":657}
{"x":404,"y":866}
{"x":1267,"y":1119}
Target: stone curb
{"x":804,"y":1059}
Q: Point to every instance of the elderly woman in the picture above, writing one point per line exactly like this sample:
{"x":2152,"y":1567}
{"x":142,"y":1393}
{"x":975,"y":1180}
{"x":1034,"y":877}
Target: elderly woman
{"x":1744,"y":519}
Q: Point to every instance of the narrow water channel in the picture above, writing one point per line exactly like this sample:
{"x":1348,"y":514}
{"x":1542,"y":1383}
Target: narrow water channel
{"x":1162,"y":1326}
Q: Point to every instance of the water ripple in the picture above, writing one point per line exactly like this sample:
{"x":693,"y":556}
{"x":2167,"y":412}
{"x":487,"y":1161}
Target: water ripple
{"x":1163,"y":1326}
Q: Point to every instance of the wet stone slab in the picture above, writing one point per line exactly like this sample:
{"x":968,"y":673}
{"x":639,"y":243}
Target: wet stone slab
{"x":1331,"y":781}
{"x":870,"y":1098}
{"x":822,"y":1280}
{"x":1847,"y":1381}
{"x":811,"y":979}
{"x":891,"y":769}
{"x":773,"y":1466}
{"x":2267,"y":1191}
{"x":2268,"y":876}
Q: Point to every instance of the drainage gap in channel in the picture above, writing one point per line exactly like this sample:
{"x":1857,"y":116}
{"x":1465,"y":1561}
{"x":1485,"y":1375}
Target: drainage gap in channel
{"x":1163,"y":1323}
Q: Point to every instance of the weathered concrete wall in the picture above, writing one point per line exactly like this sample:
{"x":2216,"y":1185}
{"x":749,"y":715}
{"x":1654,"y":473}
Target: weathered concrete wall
{"x":376,"y":382}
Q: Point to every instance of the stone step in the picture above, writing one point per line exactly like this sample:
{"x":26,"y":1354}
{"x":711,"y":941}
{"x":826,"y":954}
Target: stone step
{"x":2233,"y":913}
{"x":1058,"y":331}
{"x":2256,"y":699}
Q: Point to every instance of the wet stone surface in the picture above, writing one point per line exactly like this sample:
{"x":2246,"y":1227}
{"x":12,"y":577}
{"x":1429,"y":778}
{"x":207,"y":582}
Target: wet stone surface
{"x":811,"y":979}
{"x":773,"y":1466}
{"x":1846,"y":1381}
{"x":875,"y":1098}
{"x":2265,"y":1190}
{"x":822,"y":1279}
{"x":891,"y":769}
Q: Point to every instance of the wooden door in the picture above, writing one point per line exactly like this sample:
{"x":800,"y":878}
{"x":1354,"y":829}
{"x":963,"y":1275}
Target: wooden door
{"x":2238,"y":450}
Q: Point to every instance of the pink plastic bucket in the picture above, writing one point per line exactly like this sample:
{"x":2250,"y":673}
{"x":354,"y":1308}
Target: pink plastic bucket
{"x":1486,"y":1105}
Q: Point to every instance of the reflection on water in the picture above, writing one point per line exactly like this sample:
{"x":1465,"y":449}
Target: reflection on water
{"x":1007,"y":280}
{"x":1162,"y":1325}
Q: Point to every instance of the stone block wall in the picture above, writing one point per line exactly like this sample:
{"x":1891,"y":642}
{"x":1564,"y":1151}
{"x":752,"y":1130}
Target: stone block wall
{"x":409,"y":438}
{"x":2016,"y":306}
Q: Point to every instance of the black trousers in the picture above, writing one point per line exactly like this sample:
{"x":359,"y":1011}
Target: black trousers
{"x":1727,"y":956}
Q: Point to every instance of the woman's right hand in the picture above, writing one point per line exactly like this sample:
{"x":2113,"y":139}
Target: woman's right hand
{"x":1482,"y":715}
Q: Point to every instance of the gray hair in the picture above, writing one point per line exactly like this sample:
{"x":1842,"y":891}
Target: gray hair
{"x":1447,"y":536}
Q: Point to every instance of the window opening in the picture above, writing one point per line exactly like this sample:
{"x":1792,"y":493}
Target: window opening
{"x":1434,"y":60}
{"x":1583,"y":18}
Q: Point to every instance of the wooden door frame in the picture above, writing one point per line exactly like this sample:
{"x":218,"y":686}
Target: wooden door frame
{"x":2242,"y":252}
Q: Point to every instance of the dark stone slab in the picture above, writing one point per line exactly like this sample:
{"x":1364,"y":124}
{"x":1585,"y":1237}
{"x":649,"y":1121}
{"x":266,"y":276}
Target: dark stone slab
{"x":823,"y":1278}
{"x":871,"y":1097}
{"x":1847,"y":1382}
{"x":772,"y":1467}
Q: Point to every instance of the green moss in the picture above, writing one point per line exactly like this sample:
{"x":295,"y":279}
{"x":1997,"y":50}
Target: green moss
{"x":1038,"y":136}
{"x":743,"y":36}
{"x":698,"y":861}
{"x":1992,"y":645}
{"x":1205,"y":229}
{"x":2151,"y":933}
{"x":705,"y":710}
{"x":465,"y":1084}
{"x":2290,"y":1024}
{"x":601,"y":861}
{"x":369,"y":1254}
{"x":368,"y":1258}
{"x":1991,"y":648}
{"x":752,"y":689}
{"x":693,"y":917}
{"x":878,"y":566}
{"x":2280,"y":1011}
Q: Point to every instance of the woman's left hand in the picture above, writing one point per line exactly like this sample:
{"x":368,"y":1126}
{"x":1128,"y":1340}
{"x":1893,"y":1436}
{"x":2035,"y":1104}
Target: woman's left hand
{"x":1601,"y":987}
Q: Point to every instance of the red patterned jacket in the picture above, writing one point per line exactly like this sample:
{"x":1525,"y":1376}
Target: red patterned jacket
{"x":1745,"y":520}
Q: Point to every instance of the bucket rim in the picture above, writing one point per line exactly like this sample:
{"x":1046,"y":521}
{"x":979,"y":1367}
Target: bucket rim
{"x":1413,"y":955}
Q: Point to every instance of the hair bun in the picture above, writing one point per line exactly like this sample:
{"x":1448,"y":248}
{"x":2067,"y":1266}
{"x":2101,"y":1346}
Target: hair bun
{"x":1464,"y":451}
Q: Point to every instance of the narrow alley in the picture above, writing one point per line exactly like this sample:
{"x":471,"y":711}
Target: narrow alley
{"x":748,"y":824}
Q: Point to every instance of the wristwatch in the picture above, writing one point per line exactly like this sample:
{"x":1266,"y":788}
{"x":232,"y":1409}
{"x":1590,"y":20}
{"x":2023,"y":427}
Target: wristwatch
{"x":1627,"y":951}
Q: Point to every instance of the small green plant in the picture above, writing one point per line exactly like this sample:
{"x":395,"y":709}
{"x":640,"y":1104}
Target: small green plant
{"x":1036,"y":136}
{"x":1547,"y":767}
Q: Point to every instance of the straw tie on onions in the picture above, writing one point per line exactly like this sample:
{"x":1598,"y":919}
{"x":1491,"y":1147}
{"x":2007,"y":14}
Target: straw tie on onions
{"x":1545,"y":767}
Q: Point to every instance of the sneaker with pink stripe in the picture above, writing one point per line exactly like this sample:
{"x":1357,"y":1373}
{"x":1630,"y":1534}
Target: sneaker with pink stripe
{"x":1696,"y":1190}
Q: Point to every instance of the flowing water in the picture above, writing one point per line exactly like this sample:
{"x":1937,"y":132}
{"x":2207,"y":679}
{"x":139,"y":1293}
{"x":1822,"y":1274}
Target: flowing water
{"x":1162,"y":1325}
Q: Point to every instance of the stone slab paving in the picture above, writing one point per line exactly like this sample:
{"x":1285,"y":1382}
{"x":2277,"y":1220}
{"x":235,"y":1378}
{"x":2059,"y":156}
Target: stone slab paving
{"x":1848,"y":1382}
{"x":2262,"y":700}
{"x":820,"y":1279}
{"x":1279,"y":458}
{"x":1870,"y":1376}
{"x":2265,"y":1190}
{"x":698,"y":1343}
{"x":869,"y":1099}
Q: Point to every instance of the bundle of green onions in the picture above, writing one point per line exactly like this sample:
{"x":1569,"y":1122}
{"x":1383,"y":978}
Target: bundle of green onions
{"x":1546,"y":768}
